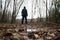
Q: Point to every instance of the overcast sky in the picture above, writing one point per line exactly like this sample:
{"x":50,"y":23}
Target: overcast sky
{"x":28,"y":4}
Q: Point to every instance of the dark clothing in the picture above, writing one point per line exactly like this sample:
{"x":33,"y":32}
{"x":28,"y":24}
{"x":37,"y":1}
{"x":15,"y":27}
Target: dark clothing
{"x":24,"y":15}
{"x":23,"y":19}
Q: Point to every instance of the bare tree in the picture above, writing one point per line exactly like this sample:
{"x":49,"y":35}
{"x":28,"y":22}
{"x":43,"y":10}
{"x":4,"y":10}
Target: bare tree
{"x":32,"y":11}
{"x":15,"y":12}
{"x":46,"y":11}
{"x":0,"y":9}
{"x":4,"y":19}
{"x":1,"y":3}
{"x":50,"y":3}
{"x":46,"y":4}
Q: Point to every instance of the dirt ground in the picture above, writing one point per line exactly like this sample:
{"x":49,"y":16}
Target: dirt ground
{"x":39,"y":31}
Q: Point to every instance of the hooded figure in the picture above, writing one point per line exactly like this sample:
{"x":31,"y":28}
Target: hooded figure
{"x":24,"y":15}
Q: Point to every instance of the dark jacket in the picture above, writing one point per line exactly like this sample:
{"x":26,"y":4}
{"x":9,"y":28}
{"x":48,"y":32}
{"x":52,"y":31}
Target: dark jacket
{"x":24,"y":12}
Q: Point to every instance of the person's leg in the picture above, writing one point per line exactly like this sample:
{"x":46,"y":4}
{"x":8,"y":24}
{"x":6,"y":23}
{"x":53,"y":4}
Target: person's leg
{"x":26,"y":20}
{"x":22,"y":19}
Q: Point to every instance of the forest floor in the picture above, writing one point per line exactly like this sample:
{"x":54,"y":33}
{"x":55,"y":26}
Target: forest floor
{"x":34,"y":31}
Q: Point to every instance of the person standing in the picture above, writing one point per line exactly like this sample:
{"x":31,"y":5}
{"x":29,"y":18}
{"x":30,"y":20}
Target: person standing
{"x":24,"y":15}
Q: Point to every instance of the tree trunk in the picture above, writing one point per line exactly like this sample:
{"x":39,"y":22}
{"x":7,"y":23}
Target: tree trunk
{"x":46,"y":11}
{"x":4,"y":15}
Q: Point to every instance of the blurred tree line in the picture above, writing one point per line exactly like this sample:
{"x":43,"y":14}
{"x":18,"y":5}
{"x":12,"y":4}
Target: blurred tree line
{"x":5,"y":15}
{"x":52,"y":15}
{"x":54,"y":12}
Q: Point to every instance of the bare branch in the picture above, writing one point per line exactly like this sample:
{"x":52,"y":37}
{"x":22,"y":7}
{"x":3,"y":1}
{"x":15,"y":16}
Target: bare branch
{"x":19,"y":7}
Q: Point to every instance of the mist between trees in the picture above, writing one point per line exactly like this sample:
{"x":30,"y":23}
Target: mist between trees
{"x":52,"y":12}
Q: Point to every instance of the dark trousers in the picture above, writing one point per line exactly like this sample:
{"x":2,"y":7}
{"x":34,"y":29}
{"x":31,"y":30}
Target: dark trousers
{"x":24,"y":18}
